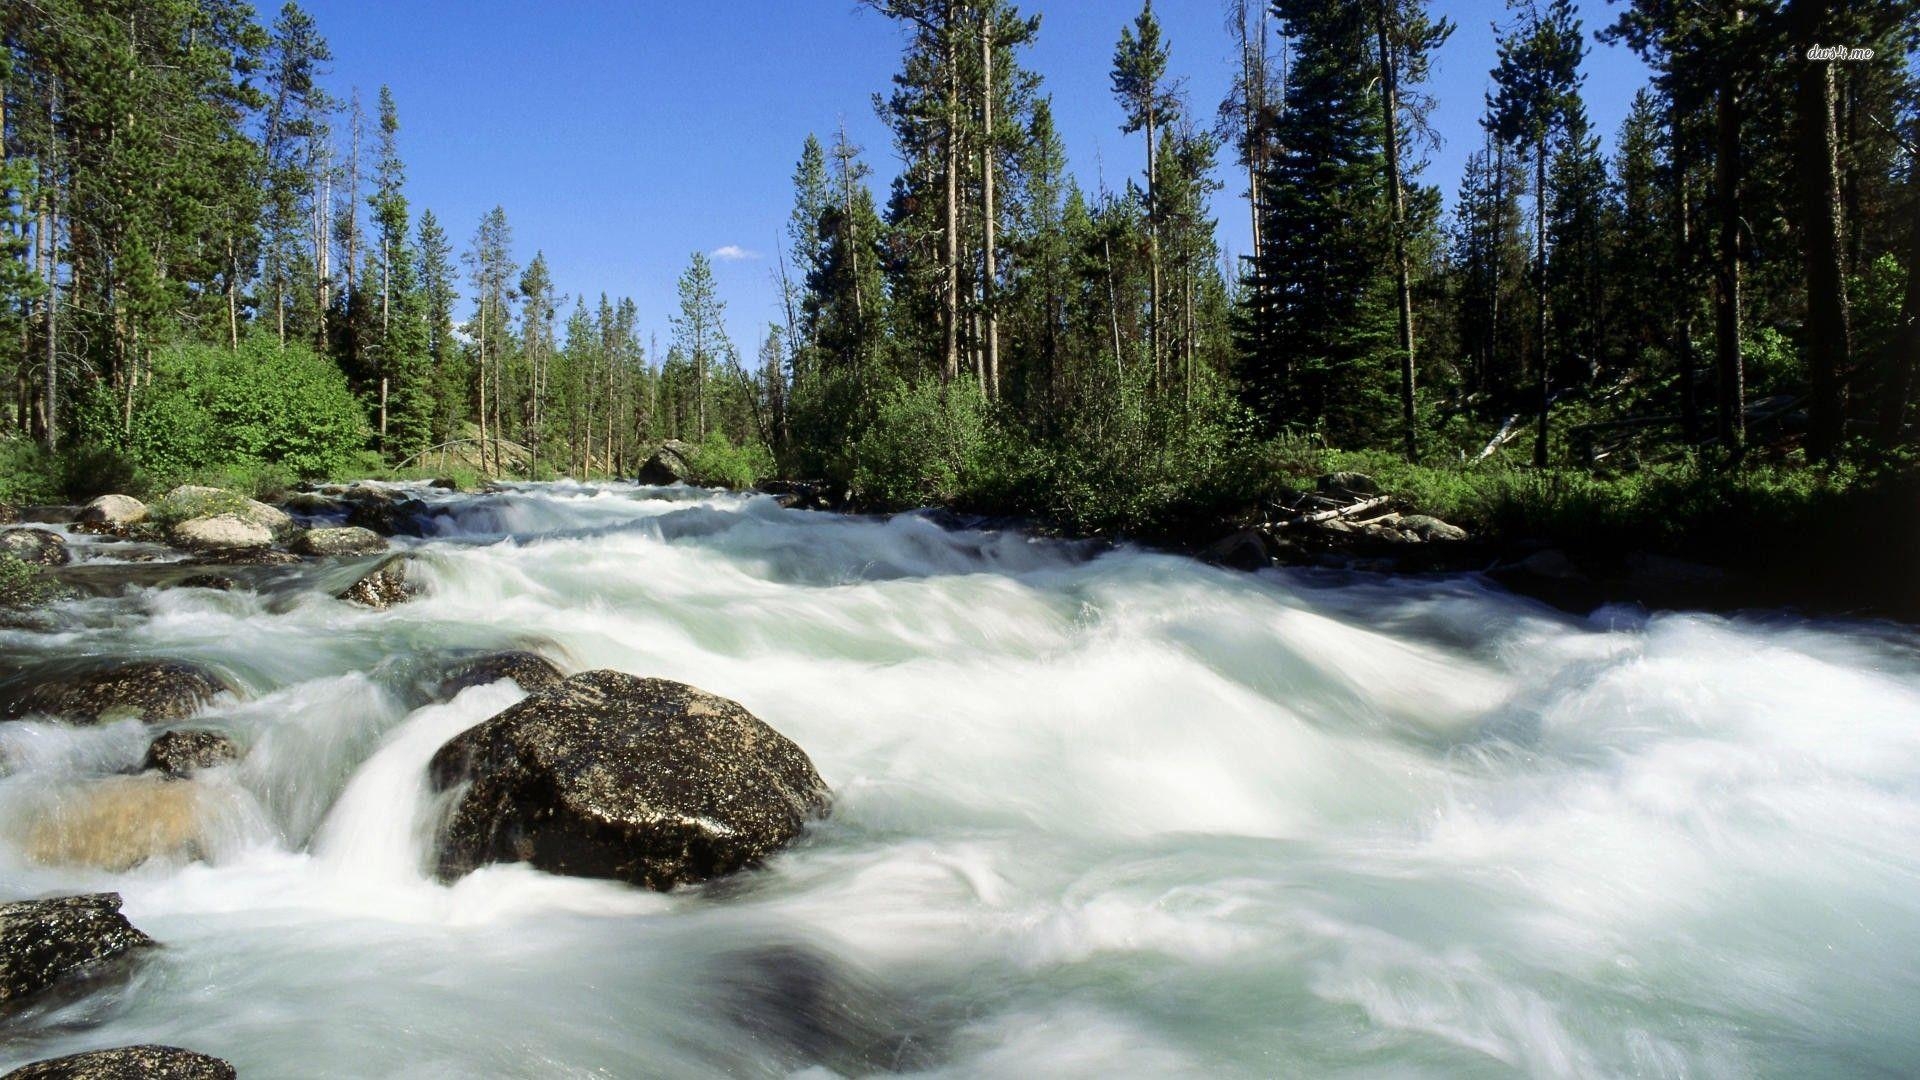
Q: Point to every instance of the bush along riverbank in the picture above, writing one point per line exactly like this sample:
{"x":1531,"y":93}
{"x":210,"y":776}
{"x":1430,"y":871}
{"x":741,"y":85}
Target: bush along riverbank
{"x":1836,"y":541}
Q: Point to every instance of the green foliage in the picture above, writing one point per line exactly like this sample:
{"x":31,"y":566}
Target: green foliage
{"x":723,"y":463}
{"x":924,"y":443}
{"x":263,"y":404}
{"x":22,"y":584}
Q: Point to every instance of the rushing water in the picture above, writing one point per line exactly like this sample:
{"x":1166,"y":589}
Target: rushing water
{"x":1097,"y":813}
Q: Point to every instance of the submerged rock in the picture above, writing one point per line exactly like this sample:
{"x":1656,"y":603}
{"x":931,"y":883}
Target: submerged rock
{"x":149,"y":690}
{"x":351,"y":540}
{"x":220,"y":533}
{"x":114,"y":511}
{"x":149,"y":1062}
{"x":609,"y":775}
{"x":36,"y":547}
{"x":383,"y":586}
{"x":43,"y":942}
{"x":180,"y":754}
{"x":115,"y":824}
{"x":670,"y":464}
{"x":529,"y":669}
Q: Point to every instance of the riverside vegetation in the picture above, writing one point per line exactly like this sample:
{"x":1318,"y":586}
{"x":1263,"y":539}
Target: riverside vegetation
{"x":1703,"y":345}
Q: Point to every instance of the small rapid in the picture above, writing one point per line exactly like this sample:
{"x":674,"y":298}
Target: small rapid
{"x":1097,"y":812}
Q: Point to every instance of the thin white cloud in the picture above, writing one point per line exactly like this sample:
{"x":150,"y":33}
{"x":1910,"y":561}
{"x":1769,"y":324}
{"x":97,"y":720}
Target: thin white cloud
{"x":733,"y":253}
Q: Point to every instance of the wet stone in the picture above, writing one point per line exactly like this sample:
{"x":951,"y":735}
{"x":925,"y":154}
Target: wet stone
{"x":149,"y":690}
{"x":147,"y":1062}
{"x":610,"y":775}
{"x":43,"y":942}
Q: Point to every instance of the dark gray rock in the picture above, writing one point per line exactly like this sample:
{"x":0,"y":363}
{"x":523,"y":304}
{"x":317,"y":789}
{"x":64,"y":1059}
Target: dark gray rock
{"x":383,"y":586}
{"x":531,"y":670}
{"x":150,"y":690}
{"x":614,"y":776}
{"x":1354,"y":483}
{"x":310,"y":503}
{"x":36,"y":547}
{"x":45,"y":942}
{"x":180,"y":754}
{"x":1248,"y":549}
{"x":670,"y":464}
{"x":444,"y":483}
{"x":1430,"y":528}
{"x":147,"y":1062}
{"x":384,"y":511}
{"x":352,"y":540}
{"x":49,"y":514}
{"x":217,"y":582}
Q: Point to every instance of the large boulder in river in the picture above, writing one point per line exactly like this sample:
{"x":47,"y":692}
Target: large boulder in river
{"x":149,"y":1062}
{"x":149,"y":690}
{"x":220,"y":533}
{"x":670,"y":464}
{"x":36,"y":547}
{"x":114,"y":511}
{"x":385,"y":511}
{"x":44,"y":942}
{"x":190,"y":501}
{"x":352,"y":540}
{"x":179,"y":754}
{"x":614,"y":776}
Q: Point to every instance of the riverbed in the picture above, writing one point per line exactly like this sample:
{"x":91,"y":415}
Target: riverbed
{"x":1098,"y":811}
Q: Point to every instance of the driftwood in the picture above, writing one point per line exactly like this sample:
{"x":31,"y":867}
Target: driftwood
{"x":1350,"y":510}
{"x":1500,"y":438}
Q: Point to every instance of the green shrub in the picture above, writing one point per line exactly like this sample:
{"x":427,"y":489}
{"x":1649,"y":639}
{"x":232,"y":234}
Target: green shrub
{"x":722,"y":464}
{"x":263,"y":405}
{"x":22,"y":584}
{"x":924,"y":442}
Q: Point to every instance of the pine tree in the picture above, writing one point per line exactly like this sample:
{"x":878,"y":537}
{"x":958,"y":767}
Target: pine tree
{"x":698,"y":333}
{"x":1537,"y":85}
{"x":490,"y":270}
{"x":1140,"y":85}
{"x":1323,"y":350}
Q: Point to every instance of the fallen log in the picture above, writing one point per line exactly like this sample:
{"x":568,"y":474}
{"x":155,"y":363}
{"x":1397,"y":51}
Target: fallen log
{"x":1347,"y":511}
{"x":1500,"y":438}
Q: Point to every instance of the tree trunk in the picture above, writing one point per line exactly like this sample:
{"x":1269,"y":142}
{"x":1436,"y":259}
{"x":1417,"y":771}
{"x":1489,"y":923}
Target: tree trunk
{"x":1820,"y":224}
{"x":1540,"y":300}
{"x":233,"y":297}
{"x":950,"y":367}
{"x":1683,"y":281}
{"x":50,"y":307}
{"x":483,"y":388}
{"x":1906,"y":342}
{"x":988,"y":304}
{"x":1389,"y":81}
{"x":1730,"y":370}
{"x":1153,"y":252}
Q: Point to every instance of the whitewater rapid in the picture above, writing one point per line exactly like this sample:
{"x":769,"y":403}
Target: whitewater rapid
{"x":1097,"y":812}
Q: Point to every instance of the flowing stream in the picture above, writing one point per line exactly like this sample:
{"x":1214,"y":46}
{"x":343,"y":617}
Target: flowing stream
{"x":1097,"y":812}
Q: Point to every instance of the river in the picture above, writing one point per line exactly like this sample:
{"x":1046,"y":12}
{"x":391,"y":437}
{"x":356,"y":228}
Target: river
{"x":1097,"y":812}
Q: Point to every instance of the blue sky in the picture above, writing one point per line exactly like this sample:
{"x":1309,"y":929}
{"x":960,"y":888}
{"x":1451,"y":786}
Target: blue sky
{"x":620,"y":137}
